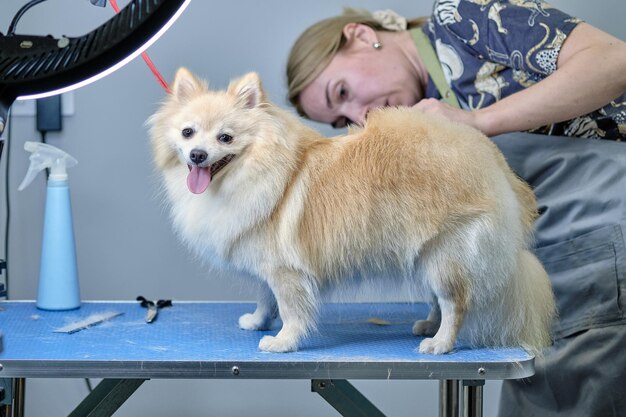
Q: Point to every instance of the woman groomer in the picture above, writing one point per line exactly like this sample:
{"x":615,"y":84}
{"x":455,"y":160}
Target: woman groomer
{"x":511,"y":66}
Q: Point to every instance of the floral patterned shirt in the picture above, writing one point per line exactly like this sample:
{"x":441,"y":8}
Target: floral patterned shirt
{"x":490,"y":49}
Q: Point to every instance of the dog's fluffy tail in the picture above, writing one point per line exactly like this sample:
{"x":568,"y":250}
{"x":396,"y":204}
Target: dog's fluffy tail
{"x":535,"y":299}
{"x":520,"y":313}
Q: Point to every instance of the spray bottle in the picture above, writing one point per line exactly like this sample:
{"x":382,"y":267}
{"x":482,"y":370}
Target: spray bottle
{"x":58,"y":275}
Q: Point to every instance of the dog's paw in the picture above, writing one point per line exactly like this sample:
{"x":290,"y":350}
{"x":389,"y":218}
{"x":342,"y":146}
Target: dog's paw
{"x":435,"y":346}
{"x":277,"y":344}
{"x":254,"y":322}
{"x":425,"y":328}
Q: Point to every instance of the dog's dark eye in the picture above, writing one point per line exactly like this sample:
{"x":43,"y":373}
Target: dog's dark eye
{"x":188,"y":132}
{"x":225,"y":138}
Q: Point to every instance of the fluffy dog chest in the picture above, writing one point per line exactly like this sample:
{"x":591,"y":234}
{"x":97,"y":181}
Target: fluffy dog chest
{"x":230,"y":229}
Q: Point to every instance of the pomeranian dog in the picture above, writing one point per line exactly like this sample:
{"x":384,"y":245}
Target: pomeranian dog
{"x":408,"y":195}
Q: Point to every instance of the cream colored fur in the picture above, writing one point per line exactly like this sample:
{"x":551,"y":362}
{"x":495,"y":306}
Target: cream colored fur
{"x":408,"y":195}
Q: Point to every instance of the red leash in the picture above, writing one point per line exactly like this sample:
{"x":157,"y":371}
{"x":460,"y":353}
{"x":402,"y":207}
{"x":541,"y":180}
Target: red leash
{"x":146,"y":58}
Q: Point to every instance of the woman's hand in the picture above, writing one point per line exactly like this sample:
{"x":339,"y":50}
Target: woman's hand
{"x":434,"y":106}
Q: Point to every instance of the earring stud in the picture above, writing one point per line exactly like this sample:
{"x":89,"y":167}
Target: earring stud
{"x":377,"y":45}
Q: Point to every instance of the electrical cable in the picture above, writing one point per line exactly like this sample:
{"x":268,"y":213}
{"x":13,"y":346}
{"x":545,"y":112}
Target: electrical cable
{"x":145,"y":57}
{"x":43,"y":140}
{"x":7,"y":220}
{"x":19,"y":15}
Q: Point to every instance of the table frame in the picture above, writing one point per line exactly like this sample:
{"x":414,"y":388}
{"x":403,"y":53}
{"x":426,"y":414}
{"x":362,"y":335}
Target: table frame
{"x":460,"y":383}
{"x":110,"y":394}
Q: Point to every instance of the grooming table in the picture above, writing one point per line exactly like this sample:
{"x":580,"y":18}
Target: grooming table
{"x":192,"y":340}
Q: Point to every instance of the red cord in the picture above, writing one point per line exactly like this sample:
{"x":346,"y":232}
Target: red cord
{"x":146,"y":58}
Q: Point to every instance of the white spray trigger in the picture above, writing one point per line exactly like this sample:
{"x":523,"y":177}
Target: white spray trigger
{"x":46,"y":156}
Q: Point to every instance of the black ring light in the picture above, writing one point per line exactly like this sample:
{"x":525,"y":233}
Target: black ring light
{"x":33,"y":65}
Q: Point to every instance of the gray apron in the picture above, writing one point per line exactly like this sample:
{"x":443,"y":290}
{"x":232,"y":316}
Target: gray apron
{"x":581,"y":190}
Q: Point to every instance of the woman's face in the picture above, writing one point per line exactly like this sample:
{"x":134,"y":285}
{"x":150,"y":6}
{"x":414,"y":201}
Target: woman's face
{"x":358,"y":79}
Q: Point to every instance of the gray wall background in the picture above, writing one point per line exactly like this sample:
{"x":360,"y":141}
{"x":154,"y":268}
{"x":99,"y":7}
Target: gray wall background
{"x":124,"y":241}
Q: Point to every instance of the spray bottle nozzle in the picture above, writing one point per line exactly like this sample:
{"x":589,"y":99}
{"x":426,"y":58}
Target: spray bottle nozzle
{"x":46,"y":156}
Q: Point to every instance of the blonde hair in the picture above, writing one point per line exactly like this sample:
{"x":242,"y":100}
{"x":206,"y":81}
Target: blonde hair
{"x":317,"y":45}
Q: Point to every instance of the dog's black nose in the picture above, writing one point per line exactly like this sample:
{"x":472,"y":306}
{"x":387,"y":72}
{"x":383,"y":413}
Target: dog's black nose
{"x":198,"y":156}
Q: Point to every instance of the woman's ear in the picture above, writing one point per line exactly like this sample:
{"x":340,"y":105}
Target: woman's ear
{"x":359,"y":34}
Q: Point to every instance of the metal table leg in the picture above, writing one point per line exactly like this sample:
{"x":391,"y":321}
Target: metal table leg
{"x":12,"y":393}
{"x":449,"y":398}
{"x":107,"y":397}
{"x":345,"y":398}
{"x":473,"y":398}
{"x":18,"y":397}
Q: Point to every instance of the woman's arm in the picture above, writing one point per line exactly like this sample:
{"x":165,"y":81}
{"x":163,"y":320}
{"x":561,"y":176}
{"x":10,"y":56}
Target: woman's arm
{"x":591,"y":71}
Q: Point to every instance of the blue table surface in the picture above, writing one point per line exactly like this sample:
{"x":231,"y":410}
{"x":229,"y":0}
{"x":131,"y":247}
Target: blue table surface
{"x":201,"y":335}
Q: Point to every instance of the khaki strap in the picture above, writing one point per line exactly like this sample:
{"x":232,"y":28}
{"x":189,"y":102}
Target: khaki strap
{"x":433,"y":66}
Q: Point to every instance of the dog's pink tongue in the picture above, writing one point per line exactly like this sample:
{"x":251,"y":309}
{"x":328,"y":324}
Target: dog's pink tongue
{"x":198,"y":179}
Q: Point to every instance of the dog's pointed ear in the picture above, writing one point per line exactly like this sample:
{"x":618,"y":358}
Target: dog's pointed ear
{"x":248,"y":90}
{"x":186,"y":85}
